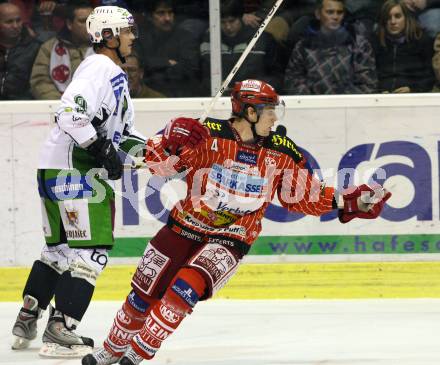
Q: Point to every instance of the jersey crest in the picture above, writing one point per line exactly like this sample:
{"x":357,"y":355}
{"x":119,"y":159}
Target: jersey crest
{"x":284,"y":145}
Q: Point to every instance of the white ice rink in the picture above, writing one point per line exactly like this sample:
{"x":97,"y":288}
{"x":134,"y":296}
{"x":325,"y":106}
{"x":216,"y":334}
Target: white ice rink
{"x":303,"y":332}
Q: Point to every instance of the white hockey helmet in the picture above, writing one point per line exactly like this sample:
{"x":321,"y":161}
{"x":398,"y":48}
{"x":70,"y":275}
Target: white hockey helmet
{"x":111,"y":18}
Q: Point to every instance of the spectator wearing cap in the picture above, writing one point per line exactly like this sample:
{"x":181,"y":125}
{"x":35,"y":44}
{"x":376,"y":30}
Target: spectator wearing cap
{"x":135,"y":72}
{"x":17,"y":53}
{"x":262,"y":61}
{"x":331,"y":57}
{"x":403,"y":50}
{"x":60,"y":56}
{"x":170,"y":55}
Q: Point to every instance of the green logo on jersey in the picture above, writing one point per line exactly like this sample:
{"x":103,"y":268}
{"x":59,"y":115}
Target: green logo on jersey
{"x":81,"y":104}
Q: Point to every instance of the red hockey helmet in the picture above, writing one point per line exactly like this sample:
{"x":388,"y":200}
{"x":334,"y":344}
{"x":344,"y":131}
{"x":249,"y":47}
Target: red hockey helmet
{"x":253,"y":93}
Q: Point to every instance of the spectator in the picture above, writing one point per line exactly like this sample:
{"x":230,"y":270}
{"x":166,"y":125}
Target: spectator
{"x":43,"y":17}
{"x":17,"y":53}
{"x":332,"y":57}
{"x":170,"y":55}
{"x":135,"y":72}
{"x":261,"y":62}
{"x":365,"y":12}
{"x":59,"y":57}
{"x":193,"y":17}
{"x":428,"y":13}
{"x":403,"y":51}
{"x":255,"y":11}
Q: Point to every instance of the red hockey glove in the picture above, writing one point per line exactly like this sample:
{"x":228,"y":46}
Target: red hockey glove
{"x":363,"y":202}
{"x":181,"y":132}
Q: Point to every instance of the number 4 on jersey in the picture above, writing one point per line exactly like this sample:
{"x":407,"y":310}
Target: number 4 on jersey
{"x":214,"y":146}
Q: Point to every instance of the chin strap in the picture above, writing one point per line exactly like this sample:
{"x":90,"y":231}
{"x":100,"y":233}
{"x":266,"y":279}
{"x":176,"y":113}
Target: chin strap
{"x":118,"y":52}
{"x":253,"y":125}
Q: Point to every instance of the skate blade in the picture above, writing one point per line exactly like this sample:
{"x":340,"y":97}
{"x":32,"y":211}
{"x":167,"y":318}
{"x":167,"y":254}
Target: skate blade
{"x":54,"y":350}
{"x":20,"y":343}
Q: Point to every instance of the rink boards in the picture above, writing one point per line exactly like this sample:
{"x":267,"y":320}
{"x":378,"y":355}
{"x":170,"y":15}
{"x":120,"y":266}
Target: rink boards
{"x":363,"y":259}
{"x":282,"y":281}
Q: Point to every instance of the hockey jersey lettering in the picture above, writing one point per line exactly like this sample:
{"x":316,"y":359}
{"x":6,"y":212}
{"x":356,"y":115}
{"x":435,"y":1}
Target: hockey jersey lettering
{"x":230,"y":187}
{"x":239,"y":182}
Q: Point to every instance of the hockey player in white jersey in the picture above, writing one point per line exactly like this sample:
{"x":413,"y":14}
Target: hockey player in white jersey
{"x":77,"y":165}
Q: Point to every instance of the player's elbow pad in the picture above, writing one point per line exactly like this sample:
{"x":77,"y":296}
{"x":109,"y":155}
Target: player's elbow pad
{"x":77,"y":126}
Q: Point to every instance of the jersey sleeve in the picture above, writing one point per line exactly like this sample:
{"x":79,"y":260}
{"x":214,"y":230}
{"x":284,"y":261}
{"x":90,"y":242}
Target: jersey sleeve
{"x":300,"y":191}
{"x":80,"y":102}
{"x":132,"y":141}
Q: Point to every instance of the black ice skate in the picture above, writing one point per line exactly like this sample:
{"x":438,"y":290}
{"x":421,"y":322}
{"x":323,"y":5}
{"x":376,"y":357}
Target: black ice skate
{"x":130,"y":358}
{"x":60,"y":341}
{"x":100,"y":357}
{"x":25,"y":327}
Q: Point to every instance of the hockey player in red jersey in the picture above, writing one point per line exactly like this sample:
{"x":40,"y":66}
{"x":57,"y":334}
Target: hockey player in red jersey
{"x":233,"y":169}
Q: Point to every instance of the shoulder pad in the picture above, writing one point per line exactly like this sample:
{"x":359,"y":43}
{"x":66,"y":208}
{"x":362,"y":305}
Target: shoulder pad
{"x":219,"y":128}
{"x":284,"y":144}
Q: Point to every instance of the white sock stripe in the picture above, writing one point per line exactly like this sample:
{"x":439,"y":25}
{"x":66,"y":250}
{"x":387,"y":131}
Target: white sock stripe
{"x":117,"y":348}
{"x":168,"y":328}
{"x":144,"y":346}
{"x":125,"y":329}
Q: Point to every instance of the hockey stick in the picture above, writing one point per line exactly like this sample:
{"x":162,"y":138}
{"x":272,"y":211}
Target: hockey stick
{"x":234,"y":70}
{"x":241,"y":59}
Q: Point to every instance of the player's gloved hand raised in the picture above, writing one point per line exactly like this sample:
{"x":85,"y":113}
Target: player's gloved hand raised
{"x":107,"y":157}
{"x":181,"y":132}
{"x":362,"y":202}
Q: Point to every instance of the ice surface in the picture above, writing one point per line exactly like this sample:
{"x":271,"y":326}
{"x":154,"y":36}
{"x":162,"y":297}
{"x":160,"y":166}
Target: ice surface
{"x":294,"y":332}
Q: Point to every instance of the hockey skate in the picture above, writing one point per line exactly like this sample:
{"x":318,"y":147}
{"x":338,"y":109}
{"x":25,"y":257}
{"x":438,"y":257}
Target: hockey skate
{"x":25,"y":327}
{"x":130,"y":358}
{"x":100,"y":357}
{"x":59,"y":340}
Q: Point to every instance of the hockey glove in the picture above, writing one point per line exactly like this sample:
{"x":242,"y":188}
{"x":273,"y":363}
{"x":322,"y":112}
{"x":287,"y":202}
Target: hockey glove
{"x":181,"y":132}
{"x":363,"y":202}
{"x":107,"y":157}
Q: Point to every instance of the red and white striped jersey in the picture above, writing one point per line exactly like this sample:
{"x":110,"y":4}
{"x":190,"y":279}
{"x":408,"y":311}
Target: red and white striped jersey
{"x":231,"y":183}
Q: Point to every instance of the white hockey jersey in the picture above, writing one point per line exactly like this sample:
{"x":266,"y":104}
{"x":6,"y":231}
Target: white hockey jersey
{"x":96,"y":102}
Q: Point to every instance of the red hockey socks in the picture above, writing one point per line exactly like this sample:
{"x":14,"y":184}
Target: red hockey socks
{"x":165,"y":316}
{"x":128,"y":322}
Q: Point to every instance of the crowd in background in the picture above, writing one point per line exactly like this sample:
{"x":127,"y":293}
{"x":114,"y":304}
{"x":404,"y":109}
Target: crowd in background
{"x":310,"y":47}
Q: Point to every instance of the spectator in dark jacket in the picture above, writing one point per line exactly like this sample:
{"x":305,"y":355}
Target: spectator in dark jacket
{"x":331,"y":58}
{"x":403,"y":51}
{"x":135,"y":73}
{"x":262,"y":61}
{"x":17,"y":53}
{"x":170,"y":55}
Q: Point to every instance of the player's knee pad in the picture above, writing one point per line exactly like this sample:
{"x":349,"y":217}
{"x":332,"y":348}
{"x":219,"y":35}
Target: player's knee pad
{"x":128,"y":322}
{"x":41,"y":283}
{"x":88,"y":264}
{"x":217,"y":264}
{"x":151,"y":269}
{"x":166,"y":315}
{"x":84,"y":263}
{"x":187,"y":287}
{"x":55,"y":257}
